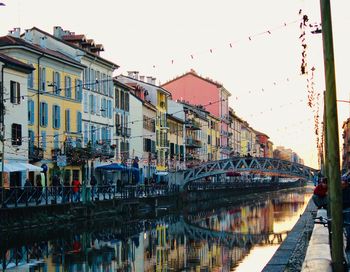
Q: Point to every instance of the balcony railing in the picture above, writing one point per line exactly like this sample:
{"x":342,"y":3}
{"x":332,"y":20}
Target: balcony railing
{"x":124,"y":131}
{"x":102,"y":150}
{"x":35,"y":154}
{"x":193,"y":124}
{"x":164,"y":144}
{"x":193,"y":143}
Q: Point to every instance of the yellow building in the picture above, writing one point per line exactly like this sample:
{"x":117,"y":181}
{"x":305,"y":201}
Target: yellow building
{"x":54,"y":105}
{"x":176,"y":140}
{"x":162,"y":144}
{"x":213,"y":138}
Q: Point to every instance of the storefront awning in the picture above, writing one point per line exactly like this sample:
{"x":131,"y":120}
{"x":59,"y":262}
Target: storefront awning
{"x":19,"y":166}
{"x":112,"y":166}
{"x":161,"y":173}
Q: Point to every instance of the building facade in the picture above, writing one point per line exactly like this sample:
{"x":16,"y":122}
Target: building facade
{"x":196,"y":90}
{"x":13,"y":120}
{"x":157,"y":96}
{"x":54,"y":102}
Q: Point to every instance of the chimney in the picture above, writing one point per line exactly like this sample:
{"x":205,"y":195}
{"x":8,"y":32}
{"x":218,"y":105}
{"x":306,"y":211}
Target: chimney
{"x":58,"y":32}
{"x":43,"y":41}
{"x":136,"y":75}
{"x":142,"y":78}
{"x":149,"y":79}
{"x":133,"y":74}
{"x":28,"y":35}
{"x":153,"y":81}
{"x":16,"y":32}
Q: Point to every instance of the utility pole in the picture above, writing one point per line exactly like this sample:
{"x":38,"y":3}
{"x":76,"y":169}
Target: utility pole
{"x":332,"y":140}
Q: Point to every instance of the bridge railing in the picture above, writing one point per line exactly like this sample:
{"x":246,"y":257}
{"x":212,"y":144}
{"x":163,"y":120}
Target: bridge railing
{"x":37,"y":196}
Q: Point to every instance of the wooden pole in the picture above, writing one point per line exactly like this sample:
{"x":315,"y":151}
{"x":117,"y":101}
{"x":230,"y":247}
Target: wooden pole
{"x":332,"y":140}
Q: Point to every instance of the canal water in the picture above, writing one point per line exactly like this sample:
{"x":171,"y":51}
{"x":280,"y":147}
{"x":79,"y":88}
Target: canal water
{"x":240,"y":237}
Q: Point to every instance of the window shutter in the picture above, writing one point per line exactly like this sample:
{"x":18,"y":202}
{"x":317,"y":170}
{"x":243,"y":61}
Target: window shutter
{"x":68,"y":120}
{"x":46,"y":114}
{"x":79,"y":122}
{"x":43,"y":79}
{"x":58,"y":116}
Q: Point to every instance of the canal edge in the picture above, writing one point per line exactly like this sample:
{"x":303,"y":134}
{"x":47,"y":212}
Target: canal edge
{"x":291,"y":253}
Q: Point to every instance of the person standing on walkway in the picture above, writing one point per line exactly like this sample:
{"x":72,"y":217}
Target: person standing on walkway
{"x":76,"y":190}
{"x":320,"y":194}
{"x":93,"y":183}
{"x":39,"y":189}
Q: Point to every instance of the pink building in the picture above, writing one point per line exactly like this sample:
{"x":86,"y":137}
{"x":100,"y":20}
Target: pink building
{"x":197,"y":90}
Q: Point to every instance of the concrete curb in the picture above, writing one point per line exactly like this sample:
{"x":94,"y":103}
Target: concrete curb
{"x":318,"y":255}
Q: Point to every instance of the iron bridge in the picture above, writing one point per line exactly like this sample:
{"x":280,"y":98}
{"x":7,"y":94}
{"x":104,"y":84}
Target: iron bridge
{"x":268,"y":166}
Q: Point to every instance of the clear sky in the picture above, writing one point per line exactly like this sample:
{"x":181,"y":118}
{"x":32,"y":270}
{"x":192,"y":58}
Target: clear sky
{"x":158,"y":37}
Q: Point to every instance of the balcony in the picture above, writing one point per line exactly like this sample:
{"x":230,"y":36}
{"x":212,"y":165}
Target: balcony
{"x":77,"y":155}
{"x":35,"y":154}
{"x":123,"y":131}
{"x":164,"y":144}
{"x":193,"y":124}
{"x":193,"y":143}
{"x":103,"y":150}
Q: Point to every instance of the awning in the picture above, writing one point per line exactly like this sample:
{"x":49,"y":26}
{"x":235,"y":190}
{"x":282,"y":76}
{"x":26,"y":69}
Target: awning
{"x":19,"y":166}
{"x":112,"y":166}
{"x":31,"y":167}
{"x":161,"y":173}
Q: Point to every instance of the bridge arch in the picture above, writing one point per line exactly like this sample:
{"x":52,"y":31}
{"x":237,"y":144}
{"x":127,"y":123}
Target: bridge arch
{"x":249,"y":164}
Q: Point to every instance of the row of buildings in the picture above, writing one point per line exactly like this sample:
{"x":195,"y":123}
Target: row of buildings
{"x":64,"y":109}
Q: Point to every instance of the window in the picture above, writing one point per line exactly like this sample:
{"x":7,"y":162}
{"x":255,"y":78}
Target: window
{"x":79,"y":122}
{"x":56,"y":141}
{"x":43,"y":114}
{"x":117,"y":98}
{"x":16,"y":134}
{"x":56,"y":116}
{"x":15,"y":92}
{"x":98,"y":105}
{"x":94,"y":104}
{"x":122,"y":100}
{"x":42,"y":79}
{"x":91,"y":98}
{"x":103,"y":107}
{"x":109,"y":109}
{"x":86,"y":78}
{"x":92,"y":80}
{"x":31,"y":141}
{"x":126,"y":102}
{"x":68,"y":86}
{"x":86,"y":102}
{"x":30,"y":112}
{"x":78,"y":89}
{"x":31,"y":79}
{"x":110,"y":86}
{"x":67,"y":120}
{"x":86,"y":133}
{"x":56,"y":83}
{"x":98,"y":83}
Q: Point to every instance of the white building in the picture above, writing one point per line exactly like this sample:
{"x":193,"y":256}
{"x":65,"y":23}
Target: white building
{"x":13,"y":80}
